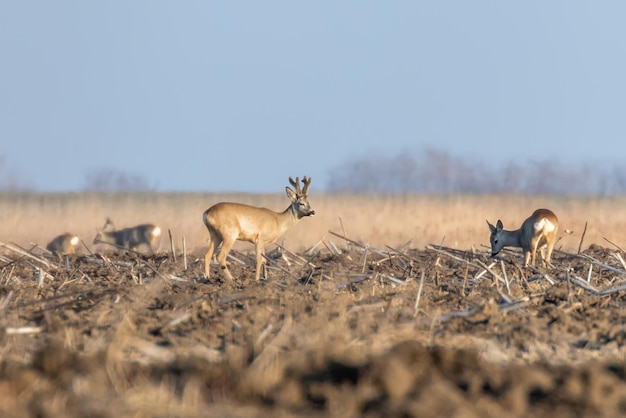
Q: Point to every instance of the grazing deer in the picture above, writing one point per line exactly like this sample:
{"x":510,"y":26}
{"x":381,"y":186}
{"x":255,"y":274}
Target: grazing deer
{"x":228,"y":222}
{"x":538,"y":231}
{"x":129,"y":238}
{"x":63,"y":244}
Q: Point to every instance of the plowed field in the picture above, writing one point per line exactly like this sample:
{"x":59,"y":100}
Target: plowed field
{"x":341,"y":330}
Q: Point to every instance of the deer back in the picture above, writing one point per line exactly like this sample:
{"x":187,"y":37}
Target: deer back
{"x":129,"y":237}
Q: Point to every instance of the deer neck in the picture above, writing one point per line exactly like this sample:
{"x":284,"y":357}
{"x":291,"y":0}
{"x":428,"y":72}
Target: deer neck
{"x":512,"y":238}
{"x":289,"y":217}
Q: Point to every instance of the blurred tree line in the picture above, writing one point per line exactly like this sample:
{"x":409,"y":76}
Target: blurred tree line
{"x":10,"y":181}
{"x":433,"y":171}
{"x":430,"y":171}
{"x":111,"y":180}
{"x":98,"y":180}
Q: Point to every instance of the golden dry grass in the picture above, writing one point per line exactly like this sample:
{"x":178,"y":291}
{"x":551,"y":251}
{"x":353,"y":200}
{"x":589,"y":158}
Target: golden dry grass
{"x":457,"y":220}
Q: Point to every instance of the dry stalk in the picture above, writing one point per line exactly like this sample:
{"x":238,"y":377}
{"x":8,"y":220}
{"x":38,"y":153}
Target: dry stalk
{"x":14,"y":248}
{"x":343,"y":230}
{"x":419,"y":294}
{"x":364,"y":260}
{"x":180,"y":318}
{"x":506,"y":279}
{"x":477,"y":264}
{"x":594,"y":261}
{"x":172,"y":247}
{"x":613,"y":244}
{"x":274,"y":265}
{"x":578,"y":281}
{"x":298,"y":257}
{"x":359,"y":279}
{"x":569,"y":290}
{"x":482,"y":273}
{"x":393,"y":279}
{"x":22,"y":330}
{"x":611,"y":290}
{"x":620,"y":259}
{"x":502,"y":307}
{"x":358,"y":244}
{"x":582,"y":237}
{"x":184,"y":254}
{"x":4,"y":302}
{"x":310,"y":250}
{"x":333,"y":246}
{"x":9,"y":276}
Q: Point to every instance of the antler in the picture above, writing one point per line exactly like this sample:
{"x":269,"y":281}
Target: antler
{"x":296,"y":185}
{"x":307,"y":182}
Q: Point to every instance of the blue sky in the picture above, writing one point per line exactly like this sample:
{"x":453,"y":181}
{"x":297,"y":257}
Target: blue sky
{"x":237,"y":96}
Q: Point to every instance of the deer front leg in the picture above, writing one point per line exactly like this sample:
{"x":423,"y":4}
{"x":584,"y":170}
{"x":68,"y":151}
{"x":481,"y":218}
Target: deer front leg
{"x":549,"y":249}
{"x":533,"y":251}
{"x":260,"y":262}
{"x":526,"y":257}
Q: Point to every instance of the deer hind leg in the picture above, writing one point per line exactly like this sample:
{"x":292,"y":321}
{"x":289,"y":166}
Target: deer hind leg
{"x":534,"y":245}
{"x":227,"y":244}
{"x":549,"y":247}
{"x":214,"y":242}
{"x":542,"y":251}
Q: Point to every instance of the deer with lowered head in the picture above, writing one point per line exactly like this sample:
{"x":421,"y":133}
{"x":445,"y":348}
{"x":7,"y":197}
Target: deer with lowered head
{"x":148,"y":235}
{"x":228,"y":222}
{"x":537,"y":232}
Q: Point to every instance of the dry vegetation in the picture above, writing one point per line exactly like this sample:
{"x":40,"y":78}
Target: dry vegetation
{"x":363,"y":331}
{"x":457,"y":220}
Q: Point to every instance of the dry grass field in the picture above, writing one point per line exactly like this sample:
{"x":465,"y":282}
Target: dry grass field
{"x":458,"y":221}
{"x":344,"y":331}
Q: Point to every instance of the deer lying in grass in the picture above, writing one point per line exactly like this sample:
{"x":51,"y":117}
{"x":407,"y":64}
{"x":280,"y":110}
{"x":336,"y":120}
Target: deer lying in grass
{"x":538,"y":231}
{"x":130,"y":238}
{"x":64,"y":244}
{"x":228,"y":222}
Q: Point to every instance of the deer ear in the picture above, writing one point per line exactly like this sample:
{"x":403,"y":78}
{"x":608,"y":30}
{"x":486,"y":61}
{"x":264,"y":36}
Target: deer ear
{"x":499,"y":225}
{"x":291,"y":194}
{"x":491,"y":227}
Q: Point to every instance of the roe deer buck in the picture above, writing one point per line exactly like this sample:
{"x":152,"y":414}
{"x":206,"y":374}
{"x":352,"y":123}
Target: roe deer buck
{"x":538,"y":231}
{"x":63,"y":244}
{"x":228,"y":222}
{"x":129,"y":238}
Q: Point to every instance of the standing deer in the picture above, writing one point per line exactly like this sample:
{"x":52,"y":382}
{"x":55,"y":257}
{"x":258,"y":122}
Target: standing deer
{"x":228,"y":222}
{"x":129,"y":238}
{"x":538,"y":231}
{"x":63,"y":244}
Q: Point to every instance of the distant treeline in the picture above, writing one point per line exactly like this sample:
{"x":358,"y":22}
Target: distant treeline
{"x":435,"y":171}
{"x":429,"y":171}
{"x":97,"y":180}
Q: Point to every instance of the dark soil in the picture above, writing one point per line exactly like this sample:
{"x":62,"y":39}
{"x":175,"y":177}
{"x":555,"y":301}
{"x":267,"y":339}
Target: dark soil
{"x":419,"y":334}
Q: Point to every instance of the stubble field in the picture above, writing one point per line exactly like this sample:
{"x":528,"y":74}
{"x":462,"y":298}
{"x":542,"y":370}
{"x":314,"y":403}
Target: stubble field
{"x":396,"y":312}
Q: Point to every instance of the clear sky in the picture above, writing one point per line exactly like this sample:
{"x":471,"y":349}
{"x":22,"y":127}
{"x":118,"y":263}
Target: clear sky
{"x":239,"y":95}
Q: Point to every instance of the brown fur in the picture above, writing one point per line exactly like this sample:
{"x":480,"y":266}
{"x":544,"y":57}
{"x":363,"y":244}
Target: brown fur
{"x":228,"y":222}
{"x":528,"y":237}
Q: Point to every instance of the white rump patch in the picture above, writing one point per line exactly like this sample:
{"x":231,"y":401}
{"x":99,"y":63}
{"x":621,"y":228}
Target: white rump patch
{"x":544,"y":225}
{"x":74,"y":240}
{"x":156,"y":231}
